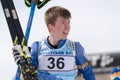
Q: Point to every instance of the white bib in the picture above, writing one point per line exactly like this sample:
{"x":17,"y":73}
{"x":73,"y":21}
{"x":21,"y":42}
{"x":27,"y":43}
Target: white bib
{"x":57,"y":63}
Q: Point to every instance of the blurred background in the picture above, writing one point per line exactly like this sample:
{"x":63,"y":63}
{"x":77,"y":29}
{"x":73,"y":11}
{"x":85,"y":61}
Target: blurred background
{"x":95,"y":24}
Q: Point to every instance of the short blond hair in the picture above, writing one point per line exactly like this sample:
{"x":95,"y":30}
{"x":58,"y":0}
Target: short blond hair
{"x":54,"y":12}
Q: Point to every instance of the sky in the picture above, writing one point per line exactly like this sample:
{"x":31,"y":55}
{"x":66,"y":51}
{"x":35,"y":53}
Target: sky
{"x":94,"y":23}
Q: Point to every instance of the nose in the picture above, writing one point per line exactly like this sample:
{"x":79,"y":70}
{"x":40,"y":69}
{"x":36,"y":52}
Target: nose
{"x":67,"y":25}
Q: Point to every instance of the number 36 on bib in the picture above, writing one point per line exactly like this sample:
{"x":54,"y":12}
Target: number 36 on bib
{"x":57,"y":63}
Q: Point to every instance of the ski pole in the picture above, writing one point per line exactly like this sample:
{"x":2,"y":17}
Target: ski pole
{"x":29,"y":24}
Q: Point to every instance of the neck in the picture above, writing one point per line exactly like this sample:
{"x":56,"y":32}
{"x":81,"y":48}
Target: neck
{"x":53,"y":41}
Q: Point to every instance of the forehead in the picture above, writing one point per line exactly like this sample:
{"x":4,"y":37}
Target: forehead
{"x":62,"y":19}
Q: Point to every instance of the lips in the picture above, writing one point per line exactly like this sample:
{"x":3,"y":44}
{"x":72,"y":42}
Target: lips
{"x":65,"y":32}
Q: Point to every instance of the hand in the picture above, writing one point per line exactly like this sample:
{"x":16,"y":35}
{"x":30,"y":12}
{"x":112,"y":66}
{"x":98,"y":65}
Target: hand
{"x":16,"y":53}
{"x":22,"y":54}
{"x":23,"y":59}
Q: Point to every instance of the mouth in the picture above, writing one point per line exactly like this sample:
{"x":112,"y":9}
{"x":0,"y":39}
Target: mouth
{"x":65,"y":32}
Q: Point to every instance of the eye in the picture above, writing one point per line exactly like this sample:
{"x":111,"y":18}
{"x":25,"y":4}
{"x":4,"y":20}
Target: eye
{"x":69,"y":21}
{"x":66,"y":22}
{"x":63,"y":23}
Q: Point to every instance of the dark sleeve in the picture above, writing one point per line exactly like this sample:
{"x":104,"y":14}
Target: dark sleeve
{"x":80,"y":57}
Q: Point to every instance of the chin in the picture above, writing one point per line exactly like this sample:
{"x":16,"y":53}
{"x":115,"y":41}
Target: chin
{"x":64,"y":38}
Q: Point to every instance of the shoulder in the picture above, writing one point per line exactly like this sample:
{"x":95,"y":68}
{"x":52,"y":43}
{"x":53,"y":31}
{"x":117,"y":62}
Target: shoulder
{"x":77,"y":44}
{"x":80,"y":52}
{"x":34,"y":44}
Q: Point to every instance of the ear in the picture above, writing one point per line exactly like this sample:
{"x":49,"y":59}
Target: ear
{"x":50,"y":27}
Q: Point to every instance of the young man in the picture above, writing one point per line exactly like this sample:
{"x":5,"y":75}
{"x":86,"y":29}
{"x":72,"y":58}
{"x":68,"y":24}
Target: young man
{"x":56,"y":57}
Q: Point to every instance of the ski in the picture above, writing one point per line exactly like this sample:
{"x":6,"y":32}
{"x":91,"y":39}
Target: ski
{"x":12,"y":21}
{"x":25,"y":62}
{"x":28,"y":28}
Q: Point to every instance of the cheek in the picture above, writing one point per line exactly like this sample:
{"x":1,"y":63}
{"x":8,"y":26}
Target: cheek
{"x":59,"y":29}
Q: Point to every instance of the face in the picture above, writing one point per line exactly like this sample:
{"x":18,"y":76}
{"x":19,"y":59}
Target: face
{"x":61,"y":28}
